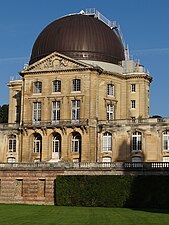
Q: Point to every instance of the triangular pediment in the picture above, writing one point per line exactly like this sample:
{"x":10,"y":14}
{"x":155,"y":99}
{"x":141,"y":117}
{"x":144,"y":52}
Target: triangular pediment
{"x":55,"y":62}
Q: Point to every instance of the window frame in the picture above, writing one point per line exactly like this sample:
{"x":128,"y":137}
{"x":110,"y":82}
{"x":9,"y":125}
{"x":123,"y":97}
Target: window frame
{"x":56,"y":143}
{"x":110,"y":89}
{"x":76,"y":85}
{"x":56,"y":111}
{"x":36,"y":112}
{"x":107,"y":142}
{"x":37,"y":143}
{"x":110,"y":111}
{"x":76,"y":143}
{"x":37,"y":87}
{"x":136,"y":141}
{"x":133,"y":88}
{"x":165,"y":140}
{"x":133,"y":104}
{"x":75,"y":110}
{"x":56,"y":86}
{"x":12,"y":143}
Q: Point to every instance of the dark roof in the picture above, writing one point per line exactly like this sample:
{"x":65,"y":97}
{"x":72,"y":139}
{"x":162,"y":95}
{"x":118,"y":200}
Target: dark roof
{"x":80,"y":37}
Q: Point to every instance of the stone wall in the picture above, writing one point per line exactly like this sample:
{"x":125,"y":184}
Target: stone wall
{"x":28,"y":186}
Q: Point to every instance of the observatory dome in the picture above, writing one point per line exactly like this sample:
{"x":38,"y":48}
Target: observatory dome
{"x":81,"y":37}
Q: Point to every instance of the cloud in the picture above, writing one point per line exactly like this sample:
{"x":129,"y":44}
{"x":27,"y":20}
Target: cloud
{"x":150,"y":51}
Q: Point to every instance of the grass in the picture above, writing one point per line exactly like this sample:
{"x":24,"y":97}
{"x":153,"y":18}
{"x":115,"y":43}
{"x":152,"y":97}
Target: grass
{"x":57,"y":215}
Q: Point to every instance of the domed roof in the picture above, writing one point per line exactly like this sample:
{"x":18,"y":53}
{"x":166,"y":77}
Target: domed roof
{"x":81,"y":37}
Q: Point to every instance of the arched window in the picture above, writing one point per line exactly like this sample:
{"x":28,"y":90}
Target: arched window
{"x":166,"y":140}
{"x":56,"y":86}
{"x":137,"y":141}
{"x":37,"y":143}
{"x":107,"y":142}
{"x":12,"y":143}
{"x":56,"y":146}
{"x":76,"y":142}
{"x":37,"y":87}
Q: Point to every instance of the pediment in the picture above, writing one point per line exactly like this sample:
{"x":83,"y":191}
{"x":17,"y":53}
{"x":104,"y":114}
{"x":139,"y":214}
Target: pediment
{"x":55,"y":62}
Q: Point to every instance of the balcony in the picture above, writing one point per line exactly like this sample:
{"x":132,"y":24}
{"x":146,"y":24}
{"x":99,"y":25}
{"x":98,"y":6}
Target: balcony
{"x":136,"y":121}
{"x":58,"y":123}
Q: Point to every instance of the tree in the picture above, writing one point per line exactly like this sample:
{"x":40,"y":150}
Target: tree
{"x":4,"y":113}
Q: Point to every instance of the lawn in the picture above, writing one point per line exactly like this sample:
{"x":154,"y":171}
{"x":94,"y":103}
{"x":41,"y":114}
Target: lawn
{"x":56,"y":215}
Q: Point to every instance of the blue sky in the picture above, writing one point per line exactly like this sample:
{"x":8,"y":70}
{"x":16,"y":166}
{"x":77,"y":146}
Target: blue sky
{"x":144,"y":24}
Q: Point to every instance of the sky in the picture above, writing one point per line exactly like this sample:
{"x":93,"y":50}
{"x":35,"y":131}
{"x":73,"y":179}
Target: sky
{"x":144,"y":25}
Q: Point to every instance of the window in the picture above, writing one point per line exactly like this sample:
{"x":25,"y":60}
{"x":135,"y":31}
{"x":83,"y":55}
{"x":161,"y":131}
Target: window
{"x":56,"y":86}
{"x":76,"y":85}
{"x":37,"y":87}
{"x":133,"y":87}
{"x":75,"y":110}
{"x":55,"y":111}
{"x":133,"y":104}
{"x":36,"y":112}
{"x":56,"y":143}
{"x":37,"y":144}
{"x":76,"y":142}
{"x":110,"y":112}
{"x":110,"y":89}
{"x":166,"y":140}
{"x":136,"y":141}
{"x":12,"y":143}
{"x":107,"y":142}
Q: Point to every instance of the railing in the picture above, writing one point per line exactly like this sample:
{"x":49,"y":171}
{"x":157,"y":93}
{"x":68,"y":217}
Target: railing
{"x":133,"y":121}
{"x":58,"y":123}
{"x":119,"y":166}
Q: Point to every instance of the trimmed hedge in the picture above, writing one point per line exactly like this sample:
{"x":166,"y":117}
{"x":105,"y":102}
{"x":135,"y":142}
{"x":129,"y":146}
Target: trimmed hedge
{"x":113,"y":191}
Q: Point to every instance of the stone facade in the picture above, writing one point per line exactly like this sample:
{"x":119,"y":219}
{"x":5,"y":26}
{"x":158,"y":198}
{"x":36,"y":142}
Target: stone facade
{"x":67,"y":110}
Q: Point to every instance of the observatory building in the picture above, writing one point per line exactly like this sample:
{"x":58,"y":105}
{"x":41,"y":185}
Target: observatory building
{"x":82,"y":99}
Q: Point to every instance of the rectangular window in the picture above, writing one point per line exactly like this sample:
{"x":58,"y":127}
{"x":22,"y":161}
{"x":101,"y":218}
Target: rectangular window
{"x":133,"y":104}
{"x":136,"y":141}
{"x":166,"y":141}
{"x":133,"y":87}
{"x":36,"y":112}
{"x":37,"y":87}
{"x":56,"y":86}
{"x":110,"y":112}
{"x":55,"y":111}
{"x":12,"y":143}
{"x":107,"y":142}
{"x":110,"y":89}
{"x":76,"y":85}
{"x":75,"y":110}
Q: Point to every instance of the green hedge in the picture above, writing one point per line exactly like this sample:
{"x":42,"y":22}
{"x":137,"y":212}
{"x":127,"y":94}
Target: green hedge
{"x":113,"y":191}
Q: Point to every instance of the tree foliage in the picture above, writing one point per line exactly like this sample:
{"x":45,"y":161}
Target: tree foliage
{"x":4,"y":113}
